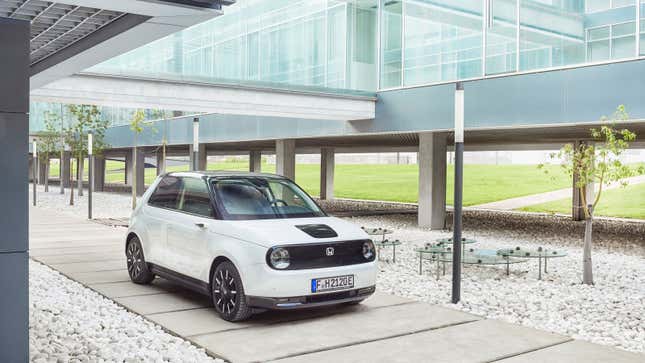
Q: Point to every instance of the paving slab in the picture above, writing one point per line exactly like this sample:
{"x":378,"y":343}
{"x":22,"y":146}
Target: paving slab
{"x":74,"y":250}
{"x":479,"y":341}
{"x":161,"y":303}
{"x":74,"y":238}
{"x":129,"y":288}
{"x":79,"y":257}
{"x":300,"y":337}
{"x":98,"y":277}
{"x":205,"y":321}
{"x":109,"y":265}
{"x":577,"y":351}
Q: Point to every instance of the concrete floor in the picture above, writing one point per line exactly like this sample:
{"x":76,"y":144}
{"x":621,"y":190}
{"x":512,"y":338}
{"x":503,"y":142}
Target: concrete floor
{"x":384,"y":328}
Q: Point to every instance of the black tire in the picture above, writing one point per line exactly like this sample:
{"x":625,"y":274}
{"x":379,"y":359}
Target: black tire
{"x":137,"y":265}
{"x":227,"y":293}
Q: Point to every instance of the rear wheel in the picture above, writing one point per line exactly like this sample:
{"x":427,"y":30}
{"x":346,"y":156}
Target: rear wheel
{"x":137,"y":266}
{"x":228,"y":293}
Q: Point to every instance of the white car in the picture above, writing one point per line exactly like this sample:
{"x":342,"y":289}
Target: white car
{"x":250,"y":241}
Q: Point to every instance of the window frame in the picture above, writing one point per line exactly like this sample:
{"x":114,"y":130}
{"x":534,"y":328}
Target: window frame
{"x":216,"y":213}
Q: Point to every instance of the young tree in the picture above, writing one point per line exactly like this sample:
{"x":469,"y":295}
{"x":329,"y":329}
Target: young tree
{"x":597,"y":162}
{"x":137,"y":125}
{"x":87,"y":119}
{"x":48,"y":140}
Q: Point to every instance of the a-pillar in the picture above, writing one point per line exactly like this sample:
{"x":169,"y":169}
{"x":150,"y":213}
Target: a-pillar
{"x":202,"y":157}
{"x":14,"y":149}
{"x":285,"y":158}
{"x":255,"y":161}
{"x":140,"y":169}
{"x":432,"y":180}
{"x":327,"y":164}
{"x":161,"y":162}
{"x":99,"y":173}
{"x":65,"y":168}
{"x":42,"y":171}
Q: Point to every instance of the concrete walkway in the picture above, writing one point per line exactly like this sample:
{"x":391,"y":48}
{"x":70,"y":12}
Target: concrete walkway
{"x":521,"y":202}
{"x":383,"y":329}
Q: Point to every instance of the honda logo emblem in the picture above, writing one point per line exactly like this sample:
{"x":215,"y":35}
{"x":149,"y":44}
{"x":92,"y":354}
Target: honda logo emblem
{"x":329,"y":251}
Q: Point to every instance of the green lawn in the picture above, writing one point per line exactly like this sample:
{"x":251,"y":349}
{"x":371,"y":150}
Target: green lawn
{"x":628,"y":202}
{"x":483,"y":183}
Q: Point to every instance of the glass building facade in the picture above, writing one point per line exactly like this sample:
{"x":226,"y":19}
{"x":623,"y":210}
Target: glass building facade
{"x":384,"y":44}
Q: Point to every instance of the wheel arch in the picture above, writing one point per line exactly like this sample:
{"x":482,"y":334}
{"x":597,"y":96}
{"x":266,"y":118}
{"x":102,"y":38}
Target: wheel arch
{"x":216,"y":262}
{"x":130,"y":236}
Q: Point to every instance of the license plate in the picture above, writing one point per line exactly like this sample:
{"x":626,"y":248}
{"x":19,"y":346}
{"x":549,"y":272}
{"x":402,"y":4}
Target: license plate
{"x":332,"y":283}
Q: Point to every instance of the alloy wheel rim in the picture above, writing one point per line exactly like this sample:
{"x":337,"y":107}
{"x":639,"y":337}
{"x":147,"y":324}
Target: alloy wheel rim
{"x":225,"y":292}
{"x":135,"y":260}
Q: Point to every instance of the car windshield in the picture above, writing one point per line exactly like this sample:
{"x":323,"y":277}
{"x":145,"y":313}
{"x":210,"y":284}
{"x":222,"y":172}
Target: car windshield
{"x":262,"y":198}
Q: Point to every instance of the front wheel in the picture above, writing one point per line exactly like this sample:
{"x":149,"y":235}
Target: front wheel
{"x":228,"y":293}
{"x":137,"y":266}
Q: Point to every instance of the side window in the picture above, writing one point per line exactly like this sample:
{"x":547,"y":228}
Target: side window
{"x":195,"y":198}
{"x":167,"y":193}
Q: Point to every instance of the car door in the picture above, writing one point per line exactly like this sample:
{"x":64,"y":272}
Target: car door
{"x":158,"y":211}
{"x":188,"y":230}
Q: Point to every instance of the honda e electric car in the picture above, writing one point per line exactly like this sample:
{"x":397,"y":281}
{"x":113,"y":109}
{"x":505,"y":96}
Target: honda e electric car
{"x":250,"y":241}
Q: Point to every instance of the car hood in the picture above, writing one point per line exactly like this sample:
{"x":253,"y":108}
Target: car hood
{"x":273,"y":232}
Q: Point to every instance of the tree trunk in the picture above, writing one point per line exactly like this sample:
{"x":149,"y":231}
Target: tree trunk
{"x":47,"y":175}
{"x":81,"y":162}
{"x":587,"y":274}
{"x":134,"y":177}
{"x":71,"y":181}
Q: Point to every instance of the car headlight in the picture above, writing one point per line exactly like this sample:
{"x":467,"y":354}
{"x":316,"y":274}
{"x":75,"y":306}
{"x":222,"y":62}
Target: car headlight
{"x":368,"y":250}
{"x":279,"y":258}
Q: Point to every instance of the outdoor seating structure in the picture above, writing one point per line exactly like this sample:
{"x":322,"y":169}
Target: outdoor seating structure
{"x":382,"y":242}
{"x":441,"y":253}
{"x":542,"y":254}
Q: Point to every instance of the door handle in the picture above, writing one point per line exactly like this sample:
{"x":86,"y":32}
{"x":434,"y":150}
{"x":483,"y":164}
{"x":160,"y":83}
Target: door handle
{"x":200,"y":225}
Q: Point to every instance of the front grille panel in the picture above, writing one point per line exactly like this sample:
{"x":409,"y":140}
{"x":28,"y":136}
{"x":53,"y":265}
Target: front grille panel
{"x":310,"y":256}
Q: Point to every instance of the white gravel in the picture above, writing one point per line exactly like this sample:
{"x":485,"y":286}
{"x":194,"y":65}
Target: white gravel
{"x":71,"y":323}
{"x":612,"y":312}
{"x":104,"y":205}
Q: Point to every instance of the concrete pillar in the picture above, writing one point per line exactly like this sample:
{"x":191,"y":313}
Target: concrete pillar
{"x":128,"y":168}
{"x":432,"y":180}
{"x":14,"y":149}
{"x":285,"y":158}
{"x":140,"y":169}
{"x":42,"y":171}
{"x":327,"y":164}
{"x":65,"y":168}
{"x":201,"y":155}
{"x":99,"y":174}
{"x":255,"y":161}
{"x":161,"y":162}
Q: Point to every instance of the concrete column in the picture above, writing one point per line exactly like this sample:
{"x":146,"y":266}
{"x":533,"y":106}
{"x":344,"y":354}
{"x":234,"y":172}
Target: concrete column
{"x":99,"y":173}
{"x":128,"y":168}
{"x":161,"y":162}
{"x":202,"y":157}
{"x":285,"y":158}
{"x":327,"y":164}
{"x":432,"y":180}
{"x":140,"y":170}
{"x":42,"y":171}
{"x":255,"y":161}
{"x":14,"y":137}
{"x":65,"y":168}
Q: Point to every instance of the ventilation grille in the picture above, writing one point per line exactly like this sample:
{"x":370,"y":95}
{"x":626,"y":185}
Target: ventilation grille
{"x":318,"y":230}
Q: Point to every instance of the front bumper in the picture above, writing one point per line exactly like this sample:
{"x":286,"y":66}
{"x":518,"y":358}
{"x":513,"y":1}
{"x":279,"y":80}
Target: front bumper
{"x":310,"y":301}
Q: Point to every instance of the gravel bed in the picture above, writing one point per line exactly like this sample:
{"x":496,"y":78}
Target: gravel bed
{"x":71,"y":323}
{"x":612,"y":312}
{"x":104,"y":205}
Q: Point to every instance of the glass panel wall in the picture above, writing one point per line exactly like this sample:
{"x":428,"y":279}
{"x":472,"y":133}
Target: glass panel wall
{"x":322,"y":43}
{"x":642,"y":27}
{"x":501,"y":36}
{"x":391,"y":44}
{"x":442,"y":41}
